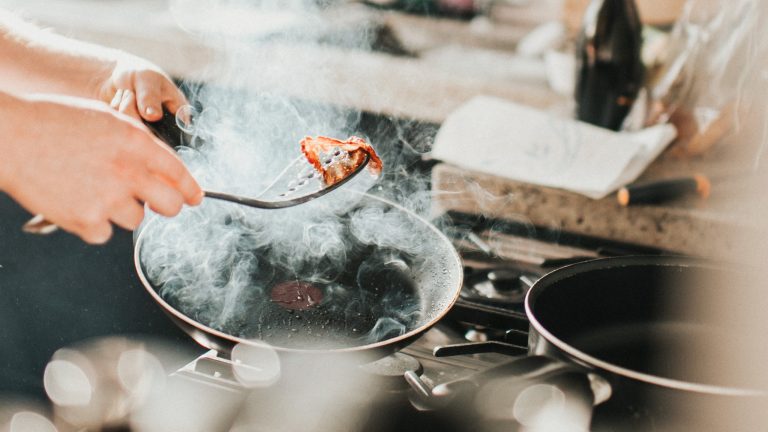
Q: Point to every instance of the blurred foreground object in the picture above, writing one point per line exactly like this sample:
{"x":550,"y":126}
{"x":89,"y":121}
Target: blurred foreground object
{"x":730,"y":70}
{"x":126,"y":384}
{"x":713,"y":55}
{"x":610,"y":67}
{"x":24,"y":416}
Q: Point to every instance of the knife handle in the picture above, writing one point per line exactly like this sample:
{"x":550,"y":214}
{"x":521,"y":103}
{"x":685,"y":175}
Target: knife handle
{"x":663,"y":190}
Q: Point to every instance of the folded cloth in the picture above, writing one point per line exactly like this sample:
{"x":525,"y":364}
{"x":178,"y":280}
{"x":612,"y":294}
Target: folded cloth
{"x":502,"y":138}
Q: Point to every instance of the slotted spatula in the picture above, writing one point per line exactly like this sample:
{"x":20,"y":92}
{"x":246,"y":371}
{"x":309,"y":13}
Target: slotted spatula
{"x":298,"y":183}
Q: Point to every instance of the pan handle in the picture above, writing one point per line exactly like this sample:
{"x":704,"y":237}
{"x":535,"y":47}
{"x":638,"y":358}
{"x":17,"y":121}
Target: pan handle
{"x":577,"y":388}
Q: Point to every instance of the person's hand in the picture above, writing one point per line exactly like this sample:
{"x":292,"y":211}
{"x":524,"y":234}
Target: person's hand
{"x":140,"y":89}
{"x":83,"y":165}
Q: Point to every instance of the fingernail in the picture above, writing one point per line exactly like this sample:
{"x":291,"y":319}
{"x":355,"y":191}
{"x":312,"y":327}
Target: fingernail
{"x":151,"y":111}
{"x":117,"y":98}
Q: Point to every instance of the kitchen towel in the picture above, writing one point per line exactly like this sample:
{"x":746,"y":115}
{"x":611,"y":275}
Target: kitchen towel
{"x":520,"y":143}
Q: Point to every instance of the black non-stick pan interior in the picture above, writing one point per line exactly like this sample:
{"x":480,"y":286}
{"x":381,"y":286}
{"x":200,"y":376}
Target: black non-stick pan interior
{"x":636,"y":316}
{"x":303,"y":278}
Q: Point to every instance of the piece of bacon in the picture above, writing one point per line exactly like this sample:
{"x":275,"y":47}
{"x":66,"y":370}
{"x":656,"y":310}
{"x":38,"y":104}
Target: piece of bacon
{"x":317,"y":149}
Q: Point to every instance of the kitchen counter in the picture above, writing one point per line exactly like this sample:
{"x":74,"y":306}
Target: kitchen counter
{"x":689,"y":226}
{"x":415,"y":75}
{"x":425,"y":83}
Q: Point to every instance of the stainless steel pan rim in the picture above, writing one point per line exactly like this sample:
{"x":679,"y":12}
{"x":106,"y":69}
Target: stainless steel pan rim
{"x":596,"y":363}
{"x":454,"y":258}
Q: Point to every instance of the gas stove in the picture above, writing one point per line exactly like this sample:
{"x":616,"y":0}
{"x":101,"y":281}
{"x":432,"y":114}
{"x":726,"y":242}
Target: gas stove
{"x":408,"y":390}
{"x":405,"y":391}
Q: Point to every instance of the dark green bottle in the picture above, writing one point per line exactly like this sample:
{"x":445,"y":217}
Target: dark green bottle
{"x":610,"y":67}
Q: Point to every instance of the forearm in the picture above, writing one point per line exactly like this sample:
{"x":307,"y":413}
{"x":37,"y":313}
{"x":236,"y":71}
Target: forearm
{"x":13,"y":109}
{"x":35,"y":60}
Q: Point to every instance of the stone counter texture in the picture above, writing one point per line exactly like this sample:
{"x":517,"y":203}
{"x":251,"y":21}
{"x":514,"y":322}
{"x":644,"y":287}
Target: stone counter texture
{"x":677,"y":230}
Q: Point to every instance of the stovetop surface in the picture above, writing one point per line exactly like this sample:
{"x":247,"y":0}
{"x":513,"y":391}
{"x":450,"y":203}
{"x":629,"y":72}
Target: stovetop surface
{"x":59,"y":296}
{"x":486,"y":328}
{"x":57,"y":291}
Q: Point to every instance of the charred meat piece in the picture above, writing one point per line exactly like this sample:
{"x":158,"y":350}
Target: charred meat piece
{"x":335,"y":159}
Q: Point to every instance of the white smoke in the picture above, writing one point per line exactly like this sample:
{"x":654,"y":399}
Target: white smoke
{"x":218,"y":262}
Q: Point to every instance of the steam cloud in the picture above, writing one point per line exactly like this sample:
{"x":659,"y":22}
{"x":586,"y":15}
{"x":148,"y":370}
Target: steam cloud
{"x":218,"y":262}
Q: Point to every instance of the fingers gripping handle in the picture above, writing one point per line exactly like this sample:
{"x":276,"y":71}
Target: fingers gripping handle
{"x":163,"y":129}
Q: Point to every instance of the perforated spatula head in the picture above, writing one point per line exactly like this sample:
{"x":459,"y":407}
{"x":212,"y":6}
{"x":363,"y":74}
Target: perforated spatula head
{"x":298,"y":183}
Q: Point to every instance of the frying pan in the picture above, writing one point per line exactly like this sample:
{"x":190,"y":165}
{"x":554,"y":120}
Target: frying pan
{"x":389,"y":279}
{"x":616,"y":333}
